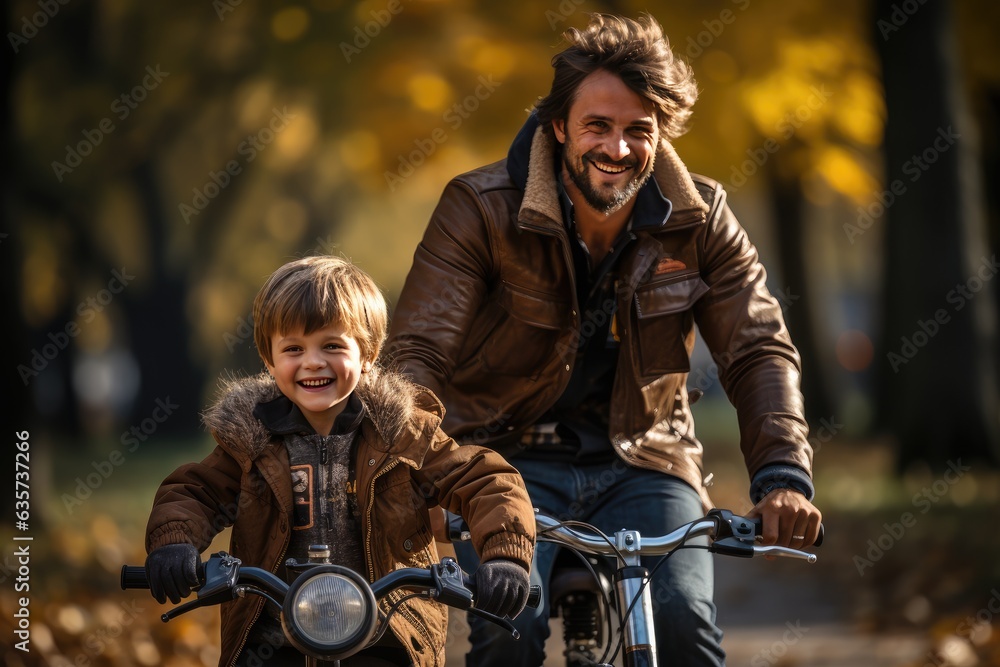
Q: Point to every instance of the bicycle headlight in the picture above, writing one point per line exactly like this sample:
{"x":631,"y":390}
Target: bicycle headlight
{"x":329,"y":612}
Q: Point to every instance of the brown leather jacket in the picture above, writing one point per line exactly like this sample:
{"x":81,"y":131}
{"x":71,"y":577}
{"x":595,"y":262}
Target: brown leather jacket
{"x":488,"y":317}
{"x":403,"y":458}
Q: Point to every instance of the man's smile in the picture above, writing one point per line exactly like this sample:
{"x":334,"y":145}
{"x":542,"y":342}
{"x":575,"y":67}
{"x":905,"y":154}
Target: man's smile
{"x":608,"y":168}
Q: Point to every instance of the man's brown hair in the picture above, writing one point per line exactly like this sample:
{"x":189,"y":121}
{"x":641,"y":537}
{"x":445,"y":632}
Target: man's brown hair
{"x":315,"y":292}
{"x":635,"y":51}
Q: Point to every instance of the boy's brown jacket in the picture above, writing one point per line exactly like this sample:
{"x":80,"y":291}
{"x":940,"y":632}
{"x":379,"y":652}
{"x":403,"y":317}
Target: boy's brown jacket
{"x":404,"y":463}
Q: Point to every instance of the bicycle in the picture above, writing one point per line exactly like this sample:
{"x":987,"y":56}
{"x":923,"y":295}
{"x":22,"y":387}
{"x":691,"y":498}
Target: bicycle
{"x":582,"y":596}
{"x":329,"y":612}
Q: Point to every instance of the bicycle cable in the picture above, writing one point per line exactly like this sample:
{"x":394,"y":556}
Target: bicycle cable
{"x":384,"y":618}
{"x":568,"y":525}
{"x":649,"y":578}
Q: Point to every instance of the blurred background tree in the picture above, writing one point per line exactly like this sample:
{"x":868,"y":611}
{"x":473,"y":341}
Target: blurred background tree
{"x":193,"y":148}
{"x":939,"y":394}
{"x":167,"y":157}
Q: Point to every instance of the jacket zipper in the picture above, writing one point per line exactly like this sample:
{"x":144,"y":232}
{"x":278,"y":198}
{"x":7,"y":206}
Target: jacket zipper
{"x":371,"y":567}
{"x":260,"y":610}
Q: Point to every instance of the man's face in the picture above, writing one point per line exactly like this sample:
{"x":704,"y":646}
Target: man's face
{"x":609,"y":141}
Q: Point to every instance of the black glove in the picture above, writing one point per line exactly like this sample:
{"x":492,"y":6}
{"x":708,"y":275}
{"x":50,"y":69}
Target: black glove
{"x":501,"y":587}
{"x":172,"y":571}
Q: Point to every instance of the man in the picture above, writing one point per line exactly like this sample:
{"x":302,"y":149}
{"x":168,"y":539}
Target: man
{"x":551,"y":307}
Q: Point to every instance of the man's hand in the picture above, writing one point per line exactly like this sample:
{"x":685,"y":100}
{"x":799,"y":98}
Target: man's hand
{"x":789,"y":519}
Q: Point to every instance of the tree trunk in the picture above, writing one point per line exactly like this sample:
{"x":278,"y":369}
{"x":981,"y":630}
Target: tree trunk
{"x":938,"y":382}
{"x":788,"y":203}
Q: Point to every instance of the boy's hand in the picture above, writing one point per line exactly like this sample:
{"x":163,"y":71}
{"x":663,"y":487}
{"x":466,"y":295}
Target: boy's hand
{"x":172,"y":571}
{"x":501,"y":587}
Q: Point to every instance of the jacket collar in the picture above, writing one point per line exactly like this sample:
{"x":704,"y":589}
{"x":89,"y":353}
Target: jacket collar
{"x":670,"y":200}
{"x":403,"y":416}
{"x":282,"y":417}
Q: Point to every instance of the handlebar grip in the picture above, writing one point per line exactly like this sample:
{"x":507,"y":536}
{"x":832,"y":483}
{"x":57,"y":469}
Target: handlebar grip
{"x":134,"y":576}
{"x":534,"y":596}
{"x":534,"y":591}
{"x":759,"y":529}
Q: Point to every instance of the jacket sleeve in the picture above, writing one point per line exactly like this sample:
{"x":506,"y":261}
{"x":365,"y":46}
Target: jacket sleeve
{"x":444,"y":289}
{"x":759,"y":368}
{"x":478,"y":484}
{"x":195,"y":502}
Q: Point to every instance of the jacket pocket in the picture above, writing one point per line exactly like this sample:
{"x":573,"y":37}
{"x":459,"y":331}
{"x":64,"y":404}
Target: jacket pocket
{"x":664,"y":320}
{"x":526,"y":334}
{"x":399,"y":519}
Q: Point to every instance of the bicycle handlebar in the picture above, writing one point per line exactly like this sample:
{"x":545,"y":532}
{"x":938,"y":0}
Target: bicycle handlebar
{"x":134,"y":577}
{"x":732,"y":535}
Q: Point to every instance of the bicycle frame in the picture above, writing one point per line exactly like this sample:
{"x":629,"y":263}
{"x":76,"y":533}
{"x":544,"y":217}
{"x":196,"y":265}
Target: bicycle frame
{"x":730,"y":534}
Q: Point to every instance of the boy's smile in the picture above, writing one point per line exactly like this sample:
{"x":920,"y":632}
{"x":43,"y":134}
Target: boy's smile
{"x":317,"y":371}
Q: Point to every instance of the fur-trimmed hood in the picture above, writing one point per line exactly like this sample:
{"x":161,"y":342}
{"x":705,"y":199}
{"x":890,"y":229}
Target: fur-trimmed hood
{"x":393,"y":405}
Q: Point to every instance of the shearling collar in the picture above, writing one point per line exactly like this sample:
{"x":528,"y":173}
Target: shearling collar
{"x":398,"y":410}
{"x":531,"y":164}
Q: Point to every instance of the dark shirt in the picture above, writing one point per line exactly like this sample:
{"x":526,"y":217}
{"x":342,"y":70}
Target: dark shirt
{"x":581,"y":415}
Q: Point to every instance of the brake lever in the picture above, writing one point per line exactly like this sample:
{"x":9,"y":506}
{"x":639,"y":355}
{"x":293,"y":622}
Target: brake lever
{"x":733,"y":546}
{"x":171,"y":614}
{"x":449,"y":583}
{"x":784,"y":551}
{"x":502,"y":622}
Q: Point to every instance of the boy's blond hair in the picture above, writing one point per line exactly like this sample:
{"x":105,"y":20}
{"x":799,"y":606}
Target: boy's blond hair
{"x":315,"y":292}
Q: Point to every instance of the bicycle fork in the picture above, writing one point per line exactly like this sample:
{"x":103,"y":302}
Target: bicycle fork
{"x":639,"y":644}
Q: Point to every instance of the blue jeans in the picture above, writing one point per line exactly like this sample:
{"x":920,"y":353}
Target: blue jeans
{"x":611,"y":496}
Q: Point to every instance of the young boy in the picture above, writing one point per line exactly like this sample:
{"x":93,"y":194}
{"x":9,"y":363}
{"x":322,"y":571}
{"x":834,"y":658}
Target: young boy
{"x":328,"y":448}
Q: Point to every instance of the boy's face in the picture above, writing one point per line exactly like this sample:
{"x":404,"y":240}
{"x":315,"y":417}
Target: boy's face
{"x":317,"y":371}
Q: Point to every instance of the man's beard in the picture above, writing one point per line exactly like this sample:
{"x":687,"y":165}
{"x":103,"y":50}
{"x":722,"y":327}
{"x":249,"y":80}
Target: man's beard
{"x":606,"y":200}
